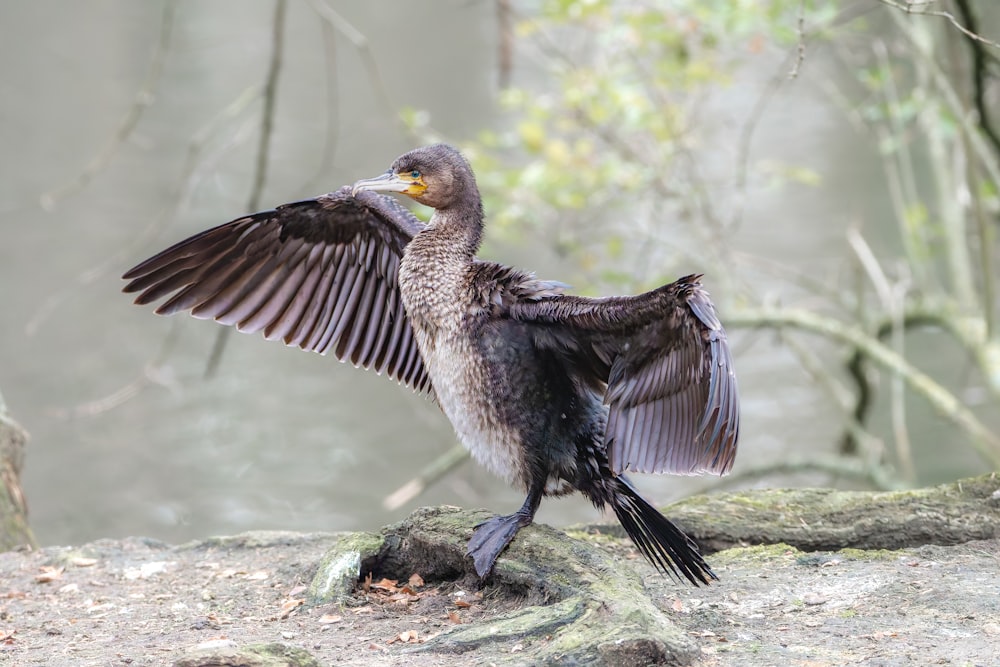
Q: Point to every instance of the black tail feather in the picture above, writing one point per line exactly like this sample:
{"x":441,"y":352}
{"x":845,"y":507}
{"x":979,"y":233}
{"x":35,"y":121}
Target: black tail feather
{"x":661,"y":542}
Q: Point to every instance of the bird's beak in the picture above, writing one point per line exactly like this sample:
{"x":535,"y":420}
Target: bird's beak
{"x":391,"y":182}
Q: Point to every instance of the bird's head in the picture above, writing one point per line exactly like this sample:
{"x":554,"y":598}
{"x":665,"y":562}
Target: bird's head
{"x":436,"y":176}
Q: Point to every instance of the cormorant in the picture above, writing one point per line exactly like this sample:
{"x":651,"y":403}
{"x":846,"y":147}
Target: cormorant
{"x":553,"y":392}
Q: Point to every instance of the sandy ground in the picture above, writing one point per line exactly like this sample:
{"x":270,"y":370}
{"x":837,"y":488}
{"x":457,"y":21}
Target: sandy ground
{"x":141,"y":602}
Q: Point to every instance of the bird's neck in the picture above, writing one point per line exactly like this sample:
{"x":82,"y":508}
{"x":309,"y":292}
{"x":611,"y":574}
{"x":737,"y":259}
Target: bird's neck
{"x":456,"y":232}
{"x":433,"y":275}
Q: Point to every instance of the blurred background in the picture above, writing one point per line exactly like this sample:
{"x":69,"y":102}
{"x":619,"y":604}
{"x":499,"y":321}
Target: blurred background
{"x":832,"y":169}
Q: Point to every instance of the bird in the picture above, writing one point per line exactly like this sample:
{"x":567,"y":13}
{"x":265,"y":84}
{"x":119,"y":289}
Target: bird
{"x":553,"y":392}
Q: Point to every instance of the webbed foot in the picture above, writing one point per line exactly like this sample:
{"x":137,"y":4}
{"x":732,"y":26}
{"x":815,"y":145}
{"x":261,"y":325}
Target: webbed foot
{"x":491,"y":537}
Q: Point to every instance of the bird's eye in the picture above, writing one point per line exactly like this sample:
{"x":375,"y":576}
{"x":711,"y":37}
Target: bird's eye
{"x":415,"y":174}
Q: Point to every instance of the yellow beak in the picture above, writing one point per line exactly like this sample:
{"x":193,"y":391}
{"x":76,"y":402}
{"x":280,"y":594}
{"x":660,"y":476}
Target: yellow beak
{"x":391,"y":182}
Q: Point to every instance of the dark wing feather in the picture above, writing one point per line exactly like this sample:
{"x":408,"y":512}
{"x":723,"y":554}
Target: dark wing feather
{"x":319,"y":274}
{"x":667,"y":368}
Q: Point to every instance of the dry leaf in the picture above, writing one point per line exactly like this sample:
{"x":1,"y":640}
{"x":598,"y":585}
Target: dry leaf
{"x":454,"y":617}
{"x":407,"y":637}
{"x":701,"y":633}
{"x":462,"y":604}
{"x":677,"y":606}
{"x":386,"y":585}
{"x":288,"y":606}
{"x":416,"y":581}
{"x":326,"y":619}
{"x":147,"y":570}
{"x":48,"y":574}
{"x":367,"y":586}
{"x":83,"y":562}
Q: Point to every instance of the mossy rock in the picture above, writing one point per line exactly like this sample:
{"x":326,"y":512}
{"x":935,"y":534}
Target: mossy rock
{"x":573,"y":602}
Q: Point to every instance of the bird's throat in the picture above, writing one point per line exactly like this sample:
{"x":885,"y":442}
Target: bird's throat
{"x":434,"y":273}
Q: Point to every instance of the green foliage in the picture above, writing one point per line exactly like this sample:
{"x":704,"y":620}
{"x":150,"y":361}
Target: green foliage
{"x":608,"y":135}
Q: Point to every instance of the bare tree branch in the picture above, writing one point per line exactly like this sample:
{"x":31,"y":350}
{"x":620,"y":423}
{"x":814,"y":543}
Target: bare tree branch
{"x":985,"y":441}
{"x":152,"y":373}
{"x":331,"y":115}
{"x":143,"y":98}
{"x":263,"y":153}
{"x":186,"y":183}
{"x":922,"y":8}
{"x":878,"y":476}
{"x":360,"y":42}
{"x":978,"y":54}
{"x":432,"y":473}
{"x":979,"y":73}
{"x":800,"y":47}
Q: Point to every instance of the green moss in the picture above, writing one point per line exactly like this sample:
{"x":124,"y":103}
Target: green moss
{"x":593,"y":537}
{"x":768,"y":500}
{"x":341,"y":567}
{"x":283,"y":655}
{"x":756,"y":554}
{"x":256,"y":539}
{"x":532,"y":621}
{"x":868,"y":554}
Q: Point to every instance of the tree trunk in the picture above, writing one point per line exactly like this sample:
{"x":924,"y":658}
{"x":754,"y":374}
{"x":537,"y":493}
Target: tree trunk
{"x":826,"y":519}
{"x":14,"y":530}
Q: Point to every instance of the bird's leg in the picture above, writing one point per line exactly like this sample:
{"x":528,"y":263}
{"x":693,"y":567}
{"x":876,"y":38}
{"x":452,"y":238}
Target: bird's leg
{"x":493,"y":535}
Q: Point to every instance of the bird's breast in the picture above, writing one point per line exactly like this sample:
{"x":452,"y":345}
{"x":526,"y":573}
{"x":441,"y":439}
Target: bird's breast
{"x":433,"y":290}
{"x":440,"y":305}
{"x":466,"y":391}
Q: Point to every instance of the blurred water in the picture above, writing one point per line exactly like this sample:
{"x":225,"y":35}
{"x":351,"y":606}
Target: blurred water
{"x":281,"y":438}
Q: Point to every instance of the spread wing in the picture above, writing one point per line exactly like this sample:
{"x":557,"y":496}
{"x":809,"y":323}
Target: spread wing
{"x":666,"y":367}
{"x":320,"y":274}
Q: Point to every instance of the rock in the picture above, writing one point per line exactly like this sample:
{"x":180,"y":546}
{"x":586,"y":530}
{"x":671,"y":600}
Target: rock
{"x":258,"y":655}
